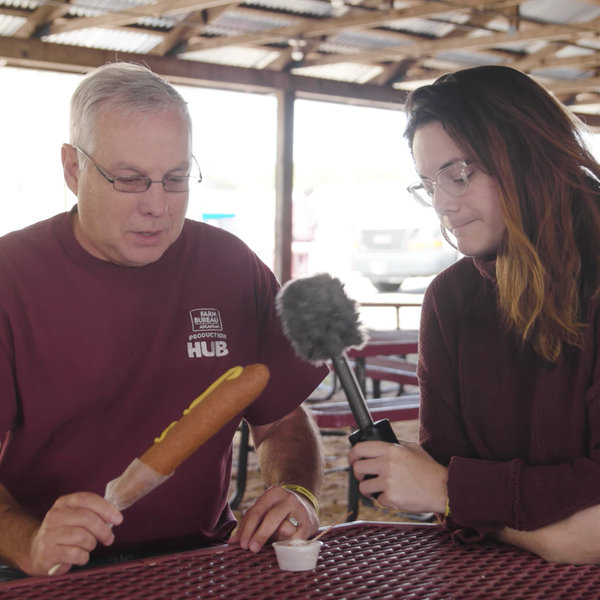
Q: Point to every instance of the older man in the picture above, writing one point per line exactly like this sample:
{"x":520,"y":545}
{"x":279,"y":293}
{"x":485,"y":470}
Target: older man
{"x":113,"y":318}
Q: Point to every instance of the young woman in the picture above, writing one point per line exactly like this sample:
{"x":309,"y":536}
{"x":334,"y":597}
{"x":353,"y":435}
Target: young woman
{"x":509,"y":361}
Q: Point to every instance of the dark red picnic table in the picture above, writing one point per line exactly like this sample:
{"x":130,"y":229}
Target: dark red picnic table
{"x":360,"y":560}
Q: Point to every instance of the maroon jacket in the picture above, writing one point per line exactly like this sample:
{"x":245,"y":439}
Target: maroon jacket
{"x":521,"y":438}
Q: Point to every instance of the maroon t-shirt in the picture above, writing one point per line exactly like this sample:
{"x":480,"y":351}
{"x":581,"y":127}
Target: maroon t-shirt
{"x":97,"y":359}
{"x":521,"y":437}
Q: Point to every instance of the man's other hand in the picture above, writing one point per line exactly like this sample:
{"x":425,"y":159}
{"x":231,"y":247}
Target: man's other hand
{"x":70,"y":530}
{"x":268,"y":519}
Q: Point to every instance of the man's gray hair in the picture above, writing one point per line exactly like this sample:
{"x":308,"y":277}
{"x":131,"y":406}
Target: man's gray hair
{"x":125,"y":88}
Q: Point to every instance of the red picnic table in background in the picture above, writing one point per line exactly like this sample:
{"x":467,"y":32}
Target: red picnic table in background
{"x":374,"y":356}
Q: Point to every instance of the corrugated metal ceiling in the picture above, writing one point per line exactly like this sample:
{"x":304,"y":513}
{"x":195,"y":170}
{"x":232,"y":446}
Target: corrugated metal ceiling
{"x":378,"y":42}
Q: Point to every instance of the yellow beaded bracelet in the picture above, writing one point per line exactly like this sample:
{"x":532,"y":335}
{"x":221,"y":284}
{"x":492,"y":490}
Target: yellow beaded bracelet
{"x":447,"y":513}
{"x":300,"y":490}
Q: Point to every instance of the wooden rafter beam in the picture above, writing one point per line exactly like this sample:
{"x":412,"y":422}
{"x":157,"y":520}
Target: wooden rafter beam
{"x":180,"y":33}
{"x":395,"y":71}
{"x":14,"y":12}
{"x":162,"y":8}
{"x":43,"y":14}
{"x":585,"y":99}
{"x":33,"y":53}
{"x":306,"y":23}
{"x":193,"y":24}
{"x":282,"y":61}
{"x":538,"y":60}
{"x":461,"y":43}
{"x":361,"y":20}
{"x":285,"y":59}
{"x":476,"y":19}
{"x":325,"y":27}
{"x":314,"y":27}
{"x":573,"y":87}
{"x":558,"y":88}
{"x":307,"y":28}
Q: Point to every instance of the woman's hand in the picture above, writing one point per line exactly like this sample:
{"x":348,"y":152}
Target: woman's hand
{"x":575,"y":540}
{"x":407,"y":477}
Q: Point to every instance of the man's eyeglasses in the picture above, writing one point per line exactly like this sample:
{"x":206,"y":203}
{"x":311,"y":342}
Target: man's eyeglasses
{"x":454,"y":180}
{"x":135,"y":184}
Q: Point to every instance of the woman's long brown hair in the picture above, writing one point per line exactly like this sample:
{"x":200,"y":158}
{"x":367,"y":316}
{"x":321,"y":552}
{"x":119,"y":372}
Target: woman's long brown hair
{"x":548,"y":264}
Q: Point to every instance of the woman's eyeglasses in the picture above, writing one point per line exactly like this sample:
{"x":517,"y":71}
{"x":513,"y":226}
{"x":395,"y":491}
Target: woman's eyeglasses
{"x":454,"y":180}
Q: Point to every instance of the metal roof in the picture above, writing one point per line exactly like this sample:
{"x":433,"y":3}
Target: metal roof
{"x":95,"y":37}
{"x":8,"y":24}
{"x":380,"y":45}
{"x":559,"y":11}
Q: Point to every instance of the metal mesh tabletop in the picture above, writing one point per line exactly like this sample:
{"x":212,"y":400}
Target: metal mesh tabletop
{"x":358,"y":560}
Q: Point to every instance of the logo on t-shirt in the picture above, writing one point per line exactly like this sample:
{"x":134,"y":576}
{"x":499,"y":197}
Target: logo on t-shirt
{"x":206,"y":319}
{"x":207,"y":338}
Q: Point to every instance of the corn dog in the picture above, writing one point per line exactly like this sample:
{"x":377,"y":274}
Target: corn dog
{"x":207,"y":414}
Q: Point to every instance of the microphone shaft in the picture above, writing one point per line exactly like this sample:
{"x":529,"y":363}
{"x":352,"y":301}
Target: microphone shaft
{"x":356,"y":399}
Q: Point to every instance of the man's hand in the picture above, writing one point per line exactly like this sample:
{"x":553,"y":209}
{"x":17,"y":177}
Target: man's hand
{"x":268,"y":519}
{"x":70,"y":530}
{"x":289,"y":451}
{"x":407,"y":477}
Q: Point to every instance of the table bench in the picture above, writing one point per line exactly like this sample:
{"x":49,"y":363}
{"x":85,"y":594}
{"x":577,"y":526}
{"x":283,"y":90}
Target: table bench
{"x":389,"y":368}
{"x":338,"y":414}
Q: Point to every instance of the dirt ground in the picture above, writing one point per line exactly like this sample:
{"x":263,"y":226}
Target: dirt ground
{"x":333,"y":499}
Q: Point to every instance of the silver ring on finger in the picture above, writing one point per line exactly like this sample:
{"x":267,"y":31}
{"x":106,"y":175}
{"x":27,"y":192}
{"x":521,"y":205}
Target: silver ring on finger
{"x":293,"y":521}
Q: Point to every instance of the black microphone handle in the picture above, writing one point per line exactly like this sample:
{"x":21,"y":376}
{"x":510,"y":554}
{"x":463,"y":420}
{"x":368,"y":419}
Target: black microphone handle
{"x":381,"y":431}
{"x":367,"y":430}
{"x":356,"y":399}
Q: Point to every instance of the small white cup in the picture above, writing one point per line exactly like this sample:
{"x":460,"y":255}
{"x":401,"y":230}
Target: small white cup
{"x":297,"y":558}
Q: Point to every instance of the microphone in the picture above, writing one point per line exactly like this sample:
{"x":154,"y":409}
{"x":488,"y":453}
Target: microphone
{"x":322,"y":323}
